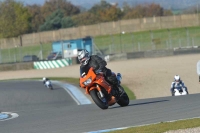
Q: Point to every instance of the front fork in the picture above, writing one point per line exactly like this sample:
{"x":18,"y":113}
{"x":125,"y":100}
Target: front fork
{"x":100,"y":92}
{"x":112,"y":99}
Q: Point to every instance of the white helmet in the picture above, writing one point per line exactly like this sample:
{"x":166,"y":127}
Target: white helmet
{"x":83,"y":57}
{"x":43,"y":78}
{"x":177,"y":78}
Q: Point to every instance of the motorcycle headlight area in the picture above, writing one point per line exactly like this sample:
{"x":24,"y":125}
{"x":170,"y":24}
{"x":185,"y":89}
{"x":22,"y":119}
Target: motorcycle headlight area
{"x":88,"y":81}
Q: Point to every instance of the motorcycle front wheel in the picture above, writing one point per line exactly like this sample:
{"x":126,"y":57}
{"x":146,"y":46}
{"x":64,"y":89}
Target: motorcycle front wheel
{"x":100,"y":102}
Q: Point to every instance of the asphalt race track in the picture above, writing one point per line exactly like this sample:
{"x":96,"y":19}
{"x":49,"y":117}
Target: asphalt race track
{"x":54,"y":111}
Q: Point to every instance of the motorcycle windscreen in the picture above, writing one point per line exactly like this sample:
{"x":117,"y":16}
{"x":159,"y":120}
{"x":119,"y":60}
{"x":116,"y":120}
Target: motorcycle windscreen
{"x":84,"y":70}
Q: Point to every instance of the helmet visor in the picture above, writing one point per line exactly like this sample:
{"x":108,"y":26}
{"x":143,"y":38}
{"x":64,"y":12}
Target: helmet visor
{"x":177,"y":80}
{"x":82,"y":60}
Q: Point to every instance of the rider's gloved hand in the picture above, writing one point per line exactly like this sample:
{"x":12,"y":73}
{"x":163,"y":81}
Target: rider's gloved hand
{"x":98,"y":71}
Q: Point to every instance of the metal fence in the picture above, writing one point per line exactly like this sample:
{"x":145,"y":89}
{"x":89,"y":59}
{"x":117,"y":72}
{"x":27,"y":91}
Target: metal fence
{"x":149,"y":40}
{"x":116,"y":43}
{"x":17,"y":54}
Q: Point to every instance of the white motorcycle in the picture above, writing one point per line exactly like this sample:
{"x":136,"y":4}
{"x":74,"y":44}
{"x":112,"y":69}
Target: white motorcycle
{"x":49,"y":85}
{"x":178,"y":91}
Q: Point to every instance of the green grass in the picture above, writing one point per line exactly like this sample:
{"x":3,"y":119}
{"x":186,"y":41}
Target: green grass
{"x":162,"y":127}
{"x":130,"y":94}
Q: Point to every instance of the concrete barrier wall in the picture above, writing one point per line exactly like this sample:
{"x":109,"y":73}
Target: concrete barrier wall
{"x":158,"y":53}
{"x":186,"y":51}
{"x":135,"y":55}
{"x":152,"y":54}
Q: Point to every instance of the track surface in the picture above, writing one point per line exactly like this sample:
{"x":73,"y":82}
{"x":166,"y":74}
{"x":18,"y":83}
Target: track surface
{"x":44,"y":111}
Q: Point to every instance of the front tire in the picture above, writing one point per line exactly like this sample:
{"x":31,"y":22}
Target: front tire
{"x":100,"y":102}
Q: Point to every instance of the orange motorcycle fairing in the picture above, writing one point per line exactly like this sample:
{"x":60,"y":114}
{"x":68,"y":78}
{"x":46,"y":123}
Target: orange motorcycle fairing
{"x":87,"y":89}
{"x":95,"y":79}
{"x":100,"y":80}
{"x":91,"y":75}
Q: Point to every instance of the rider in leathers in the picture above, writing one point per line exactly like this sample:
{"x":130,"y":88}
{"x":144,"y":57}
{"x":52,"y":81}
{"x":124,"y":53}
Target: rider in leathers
{"x":45,"y":80}
{"x":98,"y":64}
{"x":177,"y":82}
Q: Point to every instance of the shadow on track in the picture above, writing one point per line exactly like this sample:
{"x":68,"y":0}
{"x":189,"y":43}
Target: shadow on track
{"x":142,"y":103}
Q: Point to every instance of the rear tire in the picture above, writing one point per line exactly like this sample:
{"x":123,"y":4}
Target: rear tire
{"x":100,"y":102}
{"x":50,"y":87}
{"x":124,"y":99}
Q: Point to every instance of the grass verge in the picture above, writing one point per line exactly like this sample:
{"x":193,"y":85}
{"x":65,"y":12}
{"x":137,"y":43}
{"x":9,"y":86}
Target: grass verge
{"x":130,"y":94}
{"x":162,"y":127}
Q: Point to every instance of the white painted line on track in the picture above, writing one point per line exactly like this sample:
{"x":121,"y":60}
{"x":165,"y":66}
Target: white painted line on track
{"x":74,"y":92}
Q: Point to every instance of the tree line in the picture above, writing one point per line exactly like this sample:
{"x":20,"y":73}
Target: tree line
{"x":17,"y":18}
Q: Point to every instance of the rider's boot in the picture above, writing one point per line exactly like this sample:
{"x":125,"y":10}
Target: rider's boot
{"x":115,"y":84}
{"x":120,"y":89}
{"x":186,"y":90}
{"x":119,"y":78}
{"x":172,"y":92}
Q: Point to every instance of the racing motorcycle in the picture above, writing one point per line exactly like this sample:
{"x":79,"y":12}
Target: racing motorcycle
{"x":178,"y":91}
{"x":100,"y":90}
{"x":49,"y":85}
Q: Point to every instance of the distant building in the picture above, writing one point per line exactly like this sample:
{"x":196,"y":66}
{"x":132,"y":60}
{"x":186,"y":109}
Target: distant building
{"x":70,"y":48}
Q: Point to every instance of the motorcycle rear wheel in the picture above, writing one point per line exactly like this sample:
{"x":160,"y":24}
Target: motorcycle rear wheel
{"x":50,"y":87}
{"x":124,"y":99}
{"x":100,"y":102}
